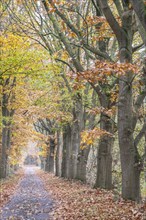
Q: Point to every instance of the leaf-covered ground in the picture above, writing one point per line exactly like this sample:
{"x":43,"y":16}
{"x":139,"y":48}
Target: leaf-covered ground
{"x":8,"y":187}
{"x":30,"y":201}
{"x":76,"y":201}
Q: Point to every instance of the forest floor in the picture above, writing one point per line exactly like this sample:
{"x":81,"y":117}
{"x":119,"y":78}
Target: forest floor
{"x":77,"y":201}
{"x":30,"y":200}
{"x":8,"y":186}
{"x":43,"y":196}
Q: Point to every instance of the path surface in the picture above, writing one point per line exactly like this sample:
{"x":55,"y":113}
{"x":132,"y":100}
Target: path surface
{"x":31,"y":201}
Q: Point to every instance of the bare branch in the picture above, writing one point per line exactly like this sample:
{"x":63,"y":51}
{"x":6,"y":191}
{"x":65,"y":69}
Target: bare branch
{"x":64,"y":62}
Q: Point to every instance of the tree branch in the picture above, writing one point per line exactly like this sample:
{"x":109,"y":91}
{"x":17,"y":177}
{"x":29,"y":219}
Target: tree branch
{"x":73,"y":29}
{"x":140,"y":10}
{"x":134,"y":49}
{"x":64,"y":62}
{"x":140,"y":135}
{"x":111,"y":19}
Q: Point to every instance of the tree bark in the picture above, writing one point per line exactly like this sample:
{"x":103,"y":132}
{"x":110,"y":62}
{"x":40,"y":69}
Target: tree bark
{"x":59,"y":153}
{"x":104,"y":156}
{"x":82,"y":164}
{"x":5,"y":136}
{"x":75,"y":145}
{"x":66,"y":151}
{"x":130,"y":160}
{"x":50,"y":156}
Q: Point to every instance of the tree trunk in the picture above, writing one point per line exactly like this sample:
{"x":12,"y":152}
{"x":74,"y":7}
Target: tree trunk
{"x":130,"y":159}
{"x":46,"y":168}
{"x":3,"y":160}
{"x":104,"y":157}
{"x":66,"y":151}
{"x":128,"y":152}
{"x":49,"y":167}
{"x":75,"y":144}
{"x":5,"y":136}
{"x":82,"y":164}
{"x":58,"y":160}
{"x":80,"y":157}
{"x":51,"y":155}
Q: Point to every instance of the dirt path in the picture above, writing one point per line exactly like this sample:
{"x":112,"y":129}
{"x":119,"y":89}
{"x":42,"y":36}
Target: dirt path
{"x":31,"y":201}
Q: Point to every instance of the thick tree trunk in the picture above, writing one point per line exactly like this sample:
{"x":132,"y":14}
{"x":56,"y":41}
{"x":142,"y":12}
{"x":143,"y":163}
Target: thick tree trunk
{"x":82,"y":164}
{"x":3,"y":159}
{"x":7,"y":114}
{"x":49,"y":167}
{"x":75,"y":144}
{"x":5,"y":136}
{"x":66,"y":151}
{"x":59,"y":153}
{"x":79,"y":156}
{"x":104,"y":157}
{"x":51,"y":155}
{"x":128,"y":152}
{"x":130,"y":160}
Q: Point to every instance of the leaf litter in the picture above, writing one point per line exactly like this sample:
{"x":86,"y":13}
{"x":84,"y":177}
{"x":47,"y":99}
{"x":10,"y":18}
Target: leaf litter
{"x":77,"y":201}
{"x":30,"y":201}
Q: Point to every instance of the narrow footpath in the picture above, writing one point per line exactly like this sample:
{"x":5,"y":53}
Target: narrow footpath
{"x":31,"y":201}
